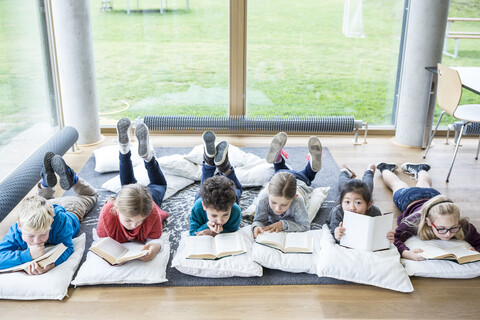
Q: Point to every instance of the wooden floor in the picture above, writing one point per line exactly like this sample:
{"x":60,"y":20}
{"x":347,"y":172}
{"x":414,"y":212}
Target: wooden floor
{"x":433,"y":298}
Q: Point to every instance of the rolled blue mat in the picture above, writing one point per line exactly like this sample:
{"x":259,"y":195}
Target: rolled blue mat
{"x":17,"y":185}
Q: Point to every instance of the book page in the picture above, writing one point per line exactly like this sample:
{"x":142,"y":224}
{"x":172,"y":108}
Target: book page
{"x":200,"y":247}
{"x":357,"y":234}
{"x":298,"y":242}
{"x":229,"y":244}
{"x":133,"y":253}
{"x":439,"y":249}
{"x":273,"y":239}
{"x":52,"y":253}
{"x":382,"y":225}
{"x":110,"y":247}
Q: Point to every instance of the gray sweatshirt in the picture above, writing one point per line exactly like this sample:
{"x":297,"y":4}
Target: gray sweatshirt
{"x":295,"y":219}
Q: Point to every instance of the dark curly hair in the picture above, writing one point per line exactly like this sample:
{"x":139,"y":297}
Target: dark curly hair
{"x":218,"y":192}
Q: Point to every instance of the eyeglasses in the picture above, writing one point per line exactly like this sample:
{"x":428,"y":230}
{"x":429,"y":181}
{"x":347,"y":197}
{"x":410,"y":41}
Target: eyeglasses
{"x":444,"y":231}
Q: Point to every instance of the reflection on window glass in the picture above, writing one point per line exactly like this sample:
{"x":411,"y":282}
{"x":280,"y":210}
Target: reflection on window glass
{"x":323,"y":58}
{"x":27,"y":119}
{"x":153,"y":63}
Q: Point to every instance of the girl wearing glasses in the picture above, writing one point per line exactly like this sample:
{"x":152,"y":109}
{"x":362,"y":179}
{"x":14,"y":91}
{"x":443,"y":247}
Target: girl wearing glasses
{"x":425,"y":212}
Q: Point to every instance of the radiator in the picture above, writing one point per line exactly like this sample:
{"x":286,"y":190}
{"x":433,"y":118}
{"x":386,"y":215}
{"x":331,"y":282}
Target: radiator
{"x":240,"y":124}
{"x":472,"y":128}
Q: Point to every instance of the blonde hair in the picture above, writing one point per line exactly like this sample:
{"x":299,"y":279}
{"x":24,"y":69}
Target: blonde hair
{"x":283,"y":184}
{"x":438,"y":206}
{"x":36,"y":214}
{"x":133,"y":200}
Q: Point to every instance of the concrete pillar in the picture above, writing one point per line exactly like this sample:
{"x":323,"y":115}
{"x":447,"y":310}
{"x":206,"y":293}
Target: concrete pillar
{"x":75,"y":61}
{"x":424,"y":36}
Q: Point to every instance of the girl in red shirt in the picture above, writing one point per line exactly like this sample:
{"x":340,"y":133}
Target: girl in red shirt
{"x":135,"y":213}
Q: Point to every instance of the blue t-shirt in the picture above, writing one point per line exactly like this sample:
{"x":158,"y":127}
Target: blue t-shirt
{"x":14,"y":251}
{"x":198,"y":218}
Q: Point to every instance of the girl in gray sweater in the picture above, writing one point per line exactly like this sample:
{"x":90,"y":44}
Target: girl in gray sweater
{"x":282,"y":206}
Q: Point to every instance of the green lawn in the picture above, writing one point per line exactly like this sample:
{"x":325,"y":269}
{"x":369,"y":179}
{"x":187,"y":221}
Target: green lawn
{"x":298,"y":60}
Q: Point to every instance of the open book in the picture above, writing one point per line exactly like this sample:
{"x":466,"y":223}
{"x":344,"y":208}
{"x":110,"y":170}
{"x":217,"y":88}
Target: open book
{"x":287,"y":242}
{"x":114,"y":252}
{"x":51,"y":255}
{"x":211,"y":248}
{"x":455,"y":250}
{"x":366,"y":233}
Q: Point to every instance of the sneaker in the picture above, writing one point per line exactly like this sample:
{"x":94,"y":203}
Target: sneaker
{"x":124,"y":127}
{"x":221,"y":157}
{"x":414,"y":168}
{"x":67,"y":176}
{"x":209,"y":150}
{"x":343,"y":167}
{"x":49,"y":180}
{"x":315,"y":150}
{"x":276,"y":147}
{"x":145,"y":151}
{"x":386,"y":166}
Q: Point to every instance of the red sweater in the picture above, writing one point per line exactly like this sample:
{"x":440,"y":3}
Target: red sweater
{"x":109,"y":225}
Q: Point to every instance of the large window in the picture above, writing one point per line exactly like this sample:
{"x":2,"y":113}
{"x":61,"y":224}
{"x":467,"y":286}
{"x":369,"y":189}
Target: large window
{"x":336,"y":57}
{"x":170,"y":63}
{"x":27,"y":113}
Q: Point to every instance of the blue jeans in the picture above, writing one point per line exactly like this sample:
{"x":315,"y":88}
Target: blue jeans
{"x":157,"y":185}
{"x":307,"y":175}
{"x":208,"y":171}
{"x":403,"y":197}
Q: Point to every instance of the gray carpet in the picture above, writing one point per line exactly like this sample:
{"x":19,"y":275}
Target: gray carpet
{"x":178,"y":206}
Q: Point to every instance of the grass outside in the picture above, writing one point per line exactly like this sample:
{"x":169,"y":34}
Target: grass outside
{"x":298,"y":60}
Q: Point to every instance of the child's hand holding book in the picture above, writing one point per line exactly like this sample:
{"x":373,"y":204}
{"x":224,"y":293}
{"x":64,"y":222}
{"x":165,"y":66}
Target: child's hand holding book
{"x":153,"y":249}
{"x":35,"y":269}
{"x":413,"y":254}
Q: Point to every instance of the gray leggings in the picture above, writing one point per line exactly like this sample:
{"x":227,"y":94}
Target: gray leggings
{"x":85,"y":199}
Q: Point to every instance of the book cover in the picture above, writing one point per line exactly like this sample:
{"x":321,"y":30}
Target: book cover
{"x":366,"y":233}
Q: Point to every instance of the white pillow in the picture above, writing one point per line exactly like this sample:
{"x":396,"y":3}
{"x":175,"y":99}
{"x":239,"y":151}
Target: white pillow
{"x":439,"y":268}
{"x":106,"y":159}
{"x":255,"y":172}
{"x":235,"y":155}
{"x":177,"y":165}
{"x":290,"y":262}
{"x":174,"y":183}
{"x":50,"y":285}
{"x":95,"y":270}
{"x":317,"y":198}
{"x":382,"y":268}
{"x":234,"y":266}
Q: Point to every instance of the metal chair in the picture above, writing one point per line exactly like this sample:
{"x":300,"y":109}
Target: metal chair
{"x":449,"y":93}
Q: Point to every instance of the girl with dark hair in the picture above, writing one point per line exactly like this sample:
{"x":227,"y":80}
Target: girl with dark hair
{"x":355,"y":196}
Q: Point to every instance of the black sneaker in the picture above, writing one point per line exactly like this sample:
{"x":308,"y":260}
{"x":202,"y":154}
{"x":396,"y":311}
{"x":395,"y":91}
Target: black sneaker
{"x":48,"y":175}
{"x":67,"y":176}
{"x":386,"y":166}
{"x":209,"y":150}
{"x":414,"y":168}
{"x":221,"y":157}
